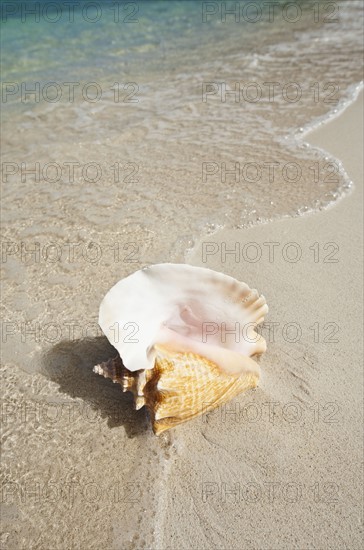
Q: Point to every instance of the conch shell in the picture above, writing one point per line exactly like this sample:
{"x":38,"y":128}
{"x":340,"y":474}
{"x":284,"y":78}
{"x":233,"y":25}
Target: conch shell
{"x":185,"y":337}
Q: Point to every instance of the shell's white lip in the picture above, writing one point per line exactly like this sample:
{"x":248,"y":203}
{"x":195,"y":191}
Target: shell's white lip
{"x":178,"y":297}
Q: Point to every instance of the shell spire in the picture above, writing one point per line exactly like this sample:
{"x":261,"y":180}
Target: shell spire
{"x":129,"y":381}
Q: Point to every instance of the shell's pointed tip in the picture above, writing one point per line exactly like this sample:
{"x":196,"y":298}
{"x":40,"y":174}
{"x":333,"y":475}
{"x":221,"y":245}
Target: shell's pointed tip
{"x":98,"y":369}
{"x":113,"y":369}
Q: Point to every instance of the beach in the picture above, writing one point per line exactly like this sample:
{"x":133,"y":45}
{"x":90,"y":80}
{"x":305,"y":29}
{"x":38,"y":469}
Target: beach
{"x":267,"y":190}
{"x":276,"y":468}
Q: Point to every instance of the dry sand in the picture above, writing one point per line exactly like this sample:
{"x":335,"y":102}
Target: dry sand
{"x":279,"y":467}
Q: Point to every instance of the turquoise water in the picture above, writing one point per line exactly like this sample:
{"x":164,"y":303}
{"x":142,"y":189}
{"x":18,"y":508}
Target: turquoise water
{"x":135,"y":38}
{"x":62,"y":38}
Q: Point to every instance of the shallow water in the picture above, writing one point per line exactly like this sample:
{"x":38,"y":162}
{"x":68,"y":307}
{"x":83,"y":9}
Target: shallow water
{"x":167,"y":160}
